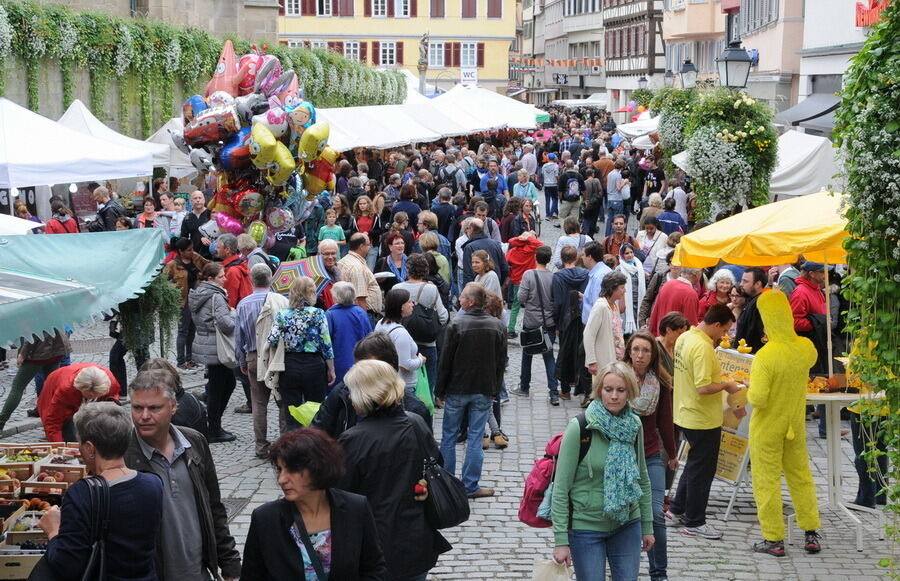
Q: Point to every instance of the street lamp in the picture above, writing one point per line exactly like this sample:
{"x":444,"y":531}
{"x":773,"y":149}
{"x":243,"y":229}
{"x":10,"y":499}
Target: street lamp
{"x":669,"y":79}
{"x":688,"y":75}
{"x":734,"y":66}
{"x":642,"y":82}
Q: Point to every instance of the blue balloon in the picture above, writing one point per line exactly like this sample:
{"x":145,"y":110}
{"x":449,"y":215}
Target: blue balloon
{"x":193,"y":106}
{"x":235,"y":154}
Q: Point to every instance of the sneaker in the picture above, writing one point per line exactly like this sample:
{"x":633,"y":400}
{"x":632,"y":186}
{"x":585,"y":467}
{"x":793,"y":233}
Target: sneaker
{"x":672,"y":519}
{"x":185,"y":366}
{"x":811,"y":544}
{"x":774,"y":548}
{"x":519,"y":392}
{"x":554,"y":400}
{"x":482,"y":493}
{"x":222,"y":437}
{"x":12,"y":371}
{"x":705,"y":531}
{"x":193,"y":364}
{"x":33,"y":413}
{"x":565,"y":395}
{"x":504,"y":400}
{"x":501,"y":441}
{"x":242,"y":409}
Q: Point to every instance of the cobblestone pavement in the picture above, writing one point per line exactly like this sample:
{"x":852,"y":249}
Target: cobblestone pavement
{"x":493,"y":544}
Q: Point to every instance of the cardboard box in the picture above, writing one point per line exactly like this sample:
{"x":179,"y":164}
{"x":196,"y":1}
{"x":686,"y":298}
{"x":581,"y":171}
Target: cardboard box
{"x":17,"y":565}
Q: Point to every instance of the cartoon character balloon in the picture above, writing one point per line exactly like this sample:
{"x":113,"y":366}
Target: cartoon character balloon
{"x":235,"y":154}
{"x":228,"y":223}
{"x":282,"y":165}
{"x":262,"y":146}
{"x":248,"y":202}
{"x":228,"y":74}
{"x":279,"y":219}
{"x":313,"y":141}
{"x":257,"y":230}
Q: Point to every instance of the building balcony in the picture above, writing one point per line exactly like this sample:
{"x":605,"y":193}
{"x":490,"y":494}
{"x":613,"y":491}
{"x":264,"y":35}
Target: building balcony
{"x":690,"y":21}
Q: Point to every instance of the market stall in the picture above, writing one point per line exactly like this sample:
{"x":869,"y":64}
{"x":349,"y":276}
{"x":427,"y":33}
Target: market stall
{"x":640,"y":127}
{"x":496,"y":109}
{"x":11,"y":225}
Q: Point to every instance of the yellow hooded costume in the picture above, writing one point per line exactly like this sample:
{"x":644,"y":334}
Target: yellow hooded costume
{"x":777,"y":393}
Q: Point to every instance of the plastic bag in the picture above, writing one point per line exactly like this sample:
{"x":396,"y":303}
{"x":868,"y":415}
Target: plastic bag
{"x":305,"y":413}
{"x":544,"y":509}
{"x":550,"y":570}
{"x":423,"y":391}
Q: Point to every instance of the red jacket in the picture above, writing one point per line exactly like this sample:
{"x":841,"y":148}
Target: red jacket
{"x":59,"y":400}
{"x":520,"y":257}
{"x":707,"y":300}
{"x":237,"y":279}
{"x":675,"y":295}
{"x":54,"y":226}
{"x":807,"y":299}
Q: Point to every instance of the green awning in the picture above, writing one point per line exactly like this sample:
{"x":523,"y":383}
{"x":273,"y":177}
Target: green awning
{"x":53,"y":280}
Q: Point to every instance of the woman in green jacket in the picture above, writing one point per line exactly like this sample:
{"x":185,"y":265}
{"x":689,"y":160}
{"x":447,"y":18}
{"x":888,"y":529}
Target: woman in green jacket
{"x":601,"y":507}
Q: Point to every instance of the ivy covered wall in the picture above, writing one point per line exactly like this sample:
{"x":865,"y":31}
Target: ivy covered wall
{"x":134,"y":73}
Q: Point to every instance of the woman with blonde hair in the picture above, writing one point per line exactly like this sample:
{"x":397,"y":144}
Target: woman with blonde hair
{"x":67,"y":389}
{"x":308,"y":354}
{"x":602,"y":509}
{"x":653,"y":209}
{"x":383,"y":458}
{"x":429,"y":243}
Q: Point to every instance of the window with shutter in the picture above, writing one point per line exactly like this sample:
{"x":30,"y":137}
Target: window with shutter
{"x":379,"y":8}
{"x":495,"y":8}
{"x":455,"y":50}
{"x":347,"y":7}
{"x":436,"y":54}
{"x":364,"y":52}
{"x":388,"y":52}
{"x":469,"y":54}
{"x":351,"y":50}
{"x":376,"y":53}
{"x":292,"y":8}
{"x":401,"y":8}
{"x":413,"y":8}
{"x":479,"y":59}
{"x":437,"y":8}
{"x":323,"y":7}
{"x":469,"y":9}
{"x":399,"y":59}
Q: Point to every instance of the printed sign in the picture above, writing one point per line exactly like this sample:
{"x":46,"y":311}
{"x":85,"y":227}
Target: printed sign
{"x":468,"y":76}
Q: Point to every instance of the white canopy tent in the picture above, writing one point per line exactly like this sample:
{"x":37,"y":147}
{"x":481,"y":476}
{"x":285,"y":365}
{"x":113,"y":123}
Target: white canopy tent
{"x":806,"y":165}
{"x":412,"y":88}
{"x":79,"y":118}
{"x":638,"y":128}
{"x":377,"y":126}
{"x":497,"y":110}
{"x":179,"y":164}
{"x":596,"y":100}
{"x":36,"y":151}
{"x":11,"y":225}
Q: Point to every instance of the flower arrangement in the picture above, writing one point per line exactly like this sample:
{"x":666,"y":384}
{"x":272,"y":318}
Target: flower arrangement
{"x":867,"y":131}
{"x":156,"y":58}
{"x":723,"y":177}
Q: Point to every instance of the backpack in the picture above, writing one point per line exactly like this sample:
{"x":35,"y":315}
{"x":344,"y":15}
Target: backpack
{"x":572,"y":193}
{"x":540,"y":479}
{"x":269,"y":260}
{"x":423,"y":324}
{"x":449,"y":179}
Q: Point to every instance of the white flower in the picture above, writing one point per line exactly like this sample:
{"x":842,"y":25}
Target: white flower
{"x":6,"y":34}
{"x":719,"y":167}
{"x":172,"y":56}
{"x":124,"y":50}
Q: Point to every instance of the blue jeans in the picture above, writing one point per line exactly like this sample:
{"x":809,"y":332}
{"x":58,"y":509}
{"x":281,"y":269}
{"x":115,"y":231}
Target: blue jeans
{"x":657,"y":556}
{"x":40,"y":377}
{"x":549,"y":367}
{"x":551,"y":198}
{"x":592,"y":549}
{"x":475,"y":408}
{"x":431,"y":364}
{"x":613,"y":208}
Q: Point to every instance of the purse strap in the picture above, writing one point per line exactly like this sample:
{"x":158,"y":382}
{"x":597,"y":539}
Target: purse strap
{"x":307,"y":544}
{"x":423,"y":450}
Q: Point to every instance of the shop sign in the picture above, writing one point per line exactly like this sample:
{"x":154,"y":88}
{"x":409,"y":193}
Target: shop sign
{"x":869,"y":14}
{"x":468,"y":76}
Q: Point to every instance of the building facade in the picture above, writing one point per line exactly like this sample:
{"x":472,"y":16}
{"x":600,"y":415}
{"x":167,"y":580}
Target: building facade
{"x":633,"y":46}
{"x":471,"y":37}
{"x":695,"y":30}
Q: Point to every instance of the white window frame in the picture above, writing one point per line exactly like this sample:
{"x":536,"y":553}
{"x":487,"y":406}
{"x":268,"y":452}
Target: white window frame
{"x":314,"y":44}
{"x":293,"y":43}
{"x":469,"y":49}
{"x":436,"y":54}
{"x":292,"y":7}
{"x":388,"y":49}
{"x":323,"y":8}
{"x":351,"y":50}
{"x":401,"y":8}
{"x":379,"y":8}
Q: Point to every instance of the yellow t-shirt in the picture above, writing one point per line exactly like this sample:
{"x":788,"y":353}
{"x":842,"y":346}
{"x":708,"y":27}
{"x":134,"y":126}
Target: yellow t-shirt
{"x":696,"y":365}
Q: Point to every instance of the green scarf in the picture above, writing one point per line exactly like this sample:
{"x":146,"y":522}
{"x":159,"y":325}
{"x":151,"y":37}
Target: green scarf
{"x":621,"y":481}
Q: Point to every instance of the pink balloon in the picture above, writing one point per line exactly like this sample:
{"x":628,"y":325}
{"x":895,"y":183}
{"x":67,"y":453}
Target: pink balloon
{"x":229,"y":223}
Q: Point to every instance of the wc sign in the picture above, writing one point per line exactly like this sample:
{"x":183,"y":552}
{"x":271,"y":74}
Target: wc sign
{"x":468,"y":76}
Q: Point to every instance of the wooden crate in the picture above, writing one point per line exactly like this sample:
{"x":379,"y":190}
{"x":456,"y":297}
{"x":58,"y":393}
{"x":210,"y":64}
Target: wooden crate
{"x":33,"y":534}
{"x":71,"y":472}
{"x":23,"y":470}
{"x":17,"y":565}
{"x":9,"y":488}
{"x":32,"y":487}
{"x":10,"y":511}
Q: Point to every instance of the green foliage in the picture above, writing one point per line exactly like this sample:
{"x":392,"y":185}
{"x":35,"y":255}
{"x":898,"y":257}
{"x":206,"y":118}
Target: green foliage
{"x":642,"y":97}
{"x":160,"y":57}
{"x":158,"y":307}
{"x":868,"y":131}
{"x":674,"y":105}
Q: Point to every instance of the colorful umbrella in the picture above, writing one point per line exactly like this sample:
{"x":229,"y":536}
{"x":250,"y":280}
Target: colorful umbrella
{"x":288,"y":272}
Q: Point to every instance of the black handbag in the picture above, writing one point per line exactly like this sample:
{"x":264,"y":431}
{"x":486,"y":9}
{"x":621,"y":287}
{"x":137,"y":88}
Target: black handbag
{"x":447,"y":504}
{"x":95,"y":570}
{"x":537,"y":341}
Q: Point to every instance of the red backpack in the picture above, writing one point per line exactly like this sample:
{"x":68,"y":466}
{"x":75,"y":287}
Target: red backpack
{"x":542,"y":474}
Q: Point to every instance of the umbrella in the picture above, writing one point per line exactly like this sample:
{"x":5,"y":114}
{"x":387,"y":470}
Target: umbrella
{"x":775,"y":233}
{"x":10,"y":225}
{"x":288,"y":272}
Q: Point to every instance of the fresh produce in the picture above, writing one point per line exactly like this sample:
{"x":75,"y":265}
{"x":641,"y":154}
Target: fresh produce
{"x":38,"y":504}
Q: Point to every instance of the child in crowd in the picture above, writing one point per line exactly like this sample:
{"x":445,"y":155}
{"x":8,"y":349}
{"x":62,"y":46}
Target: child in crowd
{"x":331,"y":231}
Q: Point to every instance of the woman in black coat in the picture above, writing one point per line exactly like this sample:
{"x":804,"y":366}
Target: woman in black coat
{"x":384,"y":463}
{"x":337,"y":525}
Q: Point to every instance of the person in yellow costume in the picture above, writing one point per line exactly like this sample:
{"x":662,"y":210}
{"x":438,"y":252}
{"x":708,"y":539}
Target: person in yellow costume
{"x":777,"y":393}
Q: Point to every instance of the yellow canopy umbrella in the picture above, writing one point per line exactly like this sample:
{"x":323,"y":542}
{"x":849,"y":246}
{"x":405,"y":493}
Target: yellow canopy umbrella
{"x":776,"y":233}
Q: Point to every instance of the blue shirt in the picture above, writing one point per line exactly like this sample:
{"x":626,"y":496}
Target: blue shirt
{"x":501,"y":183}
{"x":592,"y":290}
{"x":245,"y":324}
{"x":304,"y":330}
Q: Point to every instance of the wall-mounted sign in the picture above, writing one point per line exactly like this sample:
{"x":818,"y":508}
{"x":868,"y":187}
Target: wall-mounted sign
{"x":468,"y":76}
{"x":869,"y":13}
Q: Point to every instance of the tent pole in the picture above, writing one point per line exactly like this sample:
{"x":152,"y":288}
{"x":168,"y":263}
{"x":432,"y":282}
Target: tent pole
{"x":827,"y":290}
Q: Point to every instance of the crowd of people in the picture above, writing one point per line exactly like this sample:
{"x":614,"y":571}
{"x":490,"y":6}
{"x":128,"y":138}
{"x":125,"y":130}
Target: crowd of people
{"x":435,"y":263}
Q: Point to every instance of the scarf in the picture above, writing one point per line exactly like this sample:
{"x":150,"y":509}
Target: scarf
{"x":632,"y":270}
{"x":62,"y":218}
{"x":621,"y":480}
{"x":400,"y":273}
{"x":645,"y":403}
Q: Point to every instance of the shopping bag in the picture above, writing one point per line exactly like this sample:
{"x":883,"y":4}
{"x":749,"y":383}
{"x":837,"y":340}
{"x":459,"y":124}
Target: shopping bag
{"x":550,"y":570}
{"x":305,"y":413}
{"x":423,"y":391}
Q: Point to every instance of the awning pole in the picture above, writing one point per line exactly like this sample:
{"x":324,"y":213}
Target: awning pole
{"x":827,"y":290}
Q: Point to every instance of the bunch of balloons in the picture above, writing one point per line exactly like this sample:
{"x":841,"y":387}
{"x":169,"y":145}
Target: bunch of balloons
{"x":253,"y":127}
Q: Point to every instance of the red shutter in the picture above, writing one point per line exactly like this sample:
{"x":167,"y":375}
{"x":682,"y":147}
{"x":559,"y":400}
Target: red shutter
{"x":308,"y":7}
{"x":399,"y":52}
{"x":390,"y":8}
{"x":437,"y":9}
{"x":413,"y":8}
{"x":281,"y":7}
{"x":364,"y":52}
{"x":468,"y":8}
{"x":367,"y":7}
{"x":335,"y":7}
{"x":456,"y":50}
{"x":376,"y":53}
{"x":346,"y":7}
{"x":448,"y":54}
{"x":495,"y":8}
{"x":480,"y":55}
